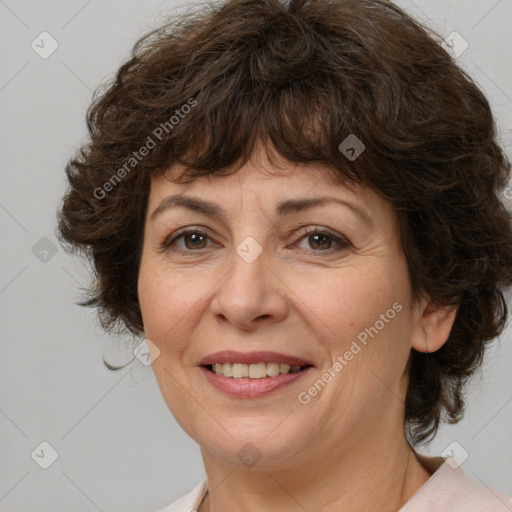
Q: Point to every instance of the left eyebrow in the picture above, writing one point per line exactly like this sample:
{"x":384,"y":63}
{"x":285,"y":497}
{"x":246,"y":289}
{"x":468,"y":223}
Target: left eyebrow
{"x":283,"y":208}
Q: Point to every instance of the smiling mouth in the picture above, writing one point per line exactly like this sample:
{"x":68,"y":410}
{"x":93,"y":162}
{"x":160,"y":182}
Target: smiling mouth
{"x":255,"y":370}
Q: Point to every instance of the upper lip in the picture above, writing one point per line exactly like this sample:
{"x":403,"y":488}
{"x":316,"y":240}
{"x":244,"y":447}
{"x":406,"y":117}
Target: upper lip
{"x":232,"y":356}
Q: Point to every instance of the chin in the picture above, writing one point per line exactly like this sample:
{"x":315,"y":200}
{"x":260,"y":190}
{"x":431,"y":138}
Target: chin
{"x":254,"y":446}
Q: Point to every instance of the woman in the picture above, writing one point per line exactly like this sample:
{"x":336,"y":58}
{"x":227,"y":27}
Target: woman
{"x":297,"y":205}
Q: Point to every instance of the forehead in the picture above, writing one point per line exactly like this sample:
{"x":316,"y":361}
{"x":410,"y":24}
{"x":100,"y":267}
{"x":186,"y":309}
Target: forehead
{"x":263,"y":179}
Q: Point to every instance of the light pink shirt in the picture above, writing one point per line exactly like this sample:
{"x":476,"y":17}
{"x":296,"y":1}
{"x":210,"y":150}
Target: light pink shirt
{"x":449,"y":489}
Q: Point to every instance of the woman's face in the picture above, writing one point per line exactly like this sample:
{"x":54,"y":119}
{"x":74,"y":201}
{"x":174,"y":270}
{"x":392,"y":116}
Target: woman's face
{"x":273,"y":274}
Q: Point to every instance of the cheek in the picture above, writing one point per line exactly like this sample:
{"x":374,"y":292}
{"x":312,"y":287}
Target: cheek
{"x":171,"y":308}
{"x":361,"y":316}
{"x":160,"y":294}
{"x":167,"y":313}
{"x":161,"y":305}
{"x":352,"y":300}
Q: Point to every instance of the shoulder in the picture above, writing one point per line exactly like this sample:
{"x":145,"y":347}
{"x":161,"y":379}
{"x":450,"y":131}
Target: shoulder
{"x":189,"y":502}
{"x":451,"y":489}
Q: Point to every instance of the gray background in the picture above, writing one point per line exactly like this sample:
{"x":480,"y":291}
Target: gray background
{"x":119,"y":448}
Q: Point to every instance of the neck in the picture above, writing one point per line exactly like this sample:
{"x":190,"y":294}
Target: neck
{"x":372,"y":472}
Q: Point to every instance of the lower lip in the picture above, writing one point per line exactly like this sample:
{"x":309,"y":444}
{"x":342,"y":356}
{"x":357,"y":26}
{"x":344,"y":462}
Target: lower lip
{"x":245,"y":387}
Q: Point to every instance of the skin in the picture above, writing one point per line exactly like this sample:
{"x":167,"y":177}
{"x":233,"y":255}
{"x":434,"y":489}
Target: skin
{"x":344,"y":450}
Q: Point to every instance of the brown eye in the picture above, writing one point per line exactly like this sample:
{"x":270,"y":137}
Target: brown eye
{"x":193,"y":240}
{"x":321,"y":240}
{"x":196,"y":240}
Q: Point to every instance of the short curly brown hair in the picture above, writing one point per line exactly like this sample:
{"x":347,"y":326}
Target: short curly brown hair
{"x":300,"y":77}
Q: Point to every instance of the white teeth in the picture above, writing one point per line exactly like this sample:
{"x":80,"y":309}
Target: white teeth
{"x":240,"y":370}
{"x":227,"y":369}
{"x":272,"y":369}
{"x":258,"y":371}
{"x":255,"y":370}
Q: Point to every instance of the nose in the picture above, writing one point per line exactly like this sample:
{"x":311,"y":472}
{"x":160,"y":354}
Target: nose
{"x":251,"y":293}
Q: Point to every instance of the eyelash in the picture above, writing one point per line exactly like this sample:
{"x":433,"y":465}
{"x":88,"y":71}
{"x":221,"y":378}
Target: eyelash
{"x":341,"y":241}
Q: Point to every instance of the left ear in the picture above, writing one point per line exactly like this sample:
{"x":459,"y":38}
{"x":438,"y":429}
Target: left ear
{"x":435,"y":322}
